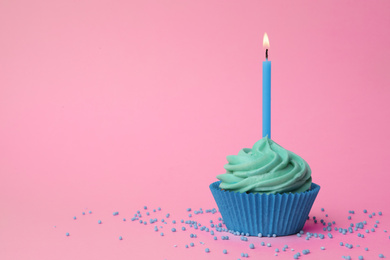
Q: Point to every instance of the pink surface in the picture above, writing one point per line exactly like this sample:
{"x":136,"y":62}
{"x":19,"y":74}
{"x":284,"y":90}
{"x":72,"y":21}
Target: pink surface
{"x":113,"y":105}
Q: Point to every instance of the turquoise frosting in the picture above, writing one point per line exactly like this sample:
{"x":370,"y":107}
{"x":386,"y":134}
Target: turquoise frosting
{"x":266,"y":168}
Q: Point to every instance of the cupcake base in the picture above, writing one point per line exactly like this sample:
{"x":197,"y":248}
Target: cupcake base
{"x":266,"y":214}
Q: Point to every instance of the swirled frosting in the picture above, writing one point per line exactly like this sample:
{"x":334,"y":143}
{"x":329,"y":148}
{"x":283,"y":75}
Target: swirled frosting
{"x":266,"y":168}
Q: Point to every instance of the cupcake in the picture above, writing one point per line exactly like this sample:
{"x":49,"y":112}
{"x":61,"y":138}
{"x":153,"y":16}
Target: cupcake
{"x":266,"y":190}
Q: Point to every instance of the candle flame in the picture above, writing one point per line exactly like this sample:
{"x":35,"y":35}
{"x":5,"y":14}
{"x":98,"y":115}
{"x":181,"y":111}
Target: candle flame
{"x":265,"y":41}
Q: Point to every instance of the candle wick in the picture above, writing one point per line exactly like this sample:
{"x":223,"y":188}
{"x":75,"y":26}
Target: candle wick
{"x":266,"y":54}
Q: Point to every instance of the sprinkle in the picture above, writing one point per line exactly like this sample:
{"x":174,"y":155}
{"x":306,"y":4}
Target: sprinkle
{"x":322,"y":209}
{"x":67,"y":234}
{"x":173,"y":229}
{"x":90,"y":212}
{"x":124,"y":219}
{"x":154,"y":210}
{"x":380,"y":213}
{"x":269,"y":244}
{"x":189,"y":209}
{"x":100,"y":222}
{"x":349,"y":217}
{"x":189,"y":215}
{"x":74,"y":217}
{"x":120,"y":238}
{"x":183,"y":228}
{"x":370,"y":216}
{"x":158,"y":208}
{"x":161,"y":234}
{"x":259,"y":235}
{"x":341,"y":244}
{"x":191,"y":244}
{"x":207,"y":250}
{"x":366,"y":248}
{"x":215,"y":238}
{"x":262,"y":243}
{"x":251,"y":246}
{"x":381,"y":256}
{"x":365,"y":211}
{"x":360,"y":257}
{"x":167,"y":216}
{"x":224,"y":251}
{"x":83,"y":213}
{"x":145,"y":207}
{"x":174,"y":221}
{"x":277,"y":250}
{"x":322,"y":248}
{"x":186,"y":246}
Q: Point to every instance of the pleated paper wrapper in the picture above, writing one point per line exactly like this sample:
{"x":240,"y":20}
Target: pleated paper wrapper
{"x":268,"y":214}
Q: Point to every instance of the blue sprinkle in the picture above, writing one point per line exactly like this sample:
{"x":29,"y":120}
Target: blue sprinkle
{"x":360,"y":257}
{"x":269,"y":244}
{"x":186,"y":246}
{"x":322,"y":248}
{"x":189,"y":215}
{"x":154,"y":210}
{"x":100,"y":222}
{"x":191,"y":244}
{"x":124,"y":219}
{"x":365,"y":211}
{"x":366,"y":248}
{"x":83,"y":213}
{"x":262,"y":243}
{"x":167,"y":216}
{"x":158,"y":208}
{"x":341,"y":244}
{"x":215,"y":238}
{"x":277,"y":250}
{"x":174,"y":221}
{"x":147,"y":213}
{"x":207,"y":250}
{"x":74,"y":217}
{"x":189,"y":209}
{"x":326,"y":215}
{"x":322,"y":209}
{"x":212,"y":232}
{"x":161,"y":234}
{"x":251,"y":246}
{"x":373,"y":213}
{"x":380,"y":213}
{"x":349,"y":217}
{"x":90,"y":212}
{"x":381,"y":256}
{"x":370,"y":216}
{"x":67,"y":234}
{"x":224,"y":251}
{"x":145,"y":207}
{"x":173,"y":229}
{"x":120,"y":238}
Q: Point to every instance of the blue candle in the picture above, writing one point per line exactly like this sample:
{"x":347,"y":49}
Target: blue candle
{"x":266,"y":91}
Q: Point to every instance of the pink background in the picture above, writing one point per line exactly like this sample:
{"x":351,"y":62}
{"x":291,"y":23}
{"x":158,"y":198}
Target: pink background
{"x":112,"y":105}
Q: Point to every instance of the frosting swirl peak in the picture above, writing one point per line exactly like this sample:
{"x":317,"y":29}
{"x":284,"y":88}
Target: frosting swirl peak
{"x":266,"y":168}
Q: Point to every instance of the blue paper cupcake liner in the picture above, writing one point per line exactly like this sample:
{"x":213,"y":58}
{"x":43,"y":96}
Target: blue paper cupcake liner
{"x":268,"y":214}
